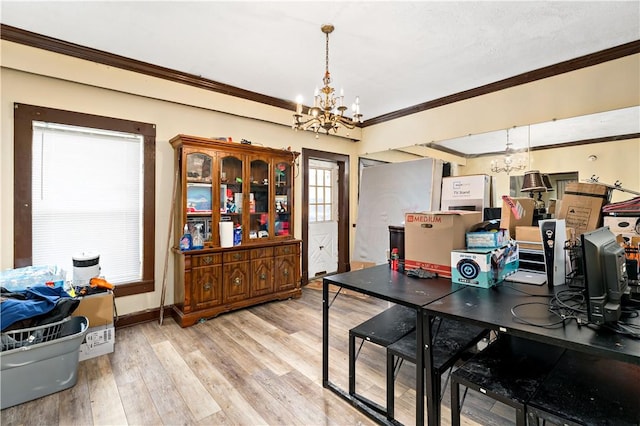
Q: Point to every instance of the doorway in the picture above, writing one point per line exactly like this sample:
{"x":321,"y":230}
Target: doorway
{"x":325,"y":213}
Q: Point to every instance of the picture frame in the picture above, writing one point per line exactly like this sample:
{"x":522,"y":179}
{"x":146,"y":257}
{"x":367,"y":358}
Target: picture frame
{"x":198,"y":198}
{"x":282,"y":204}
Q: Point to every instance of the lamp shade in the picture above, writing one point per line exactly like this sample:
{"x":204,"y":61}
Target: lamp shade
{"x":533,"y":182}
{"x":547,"y":182}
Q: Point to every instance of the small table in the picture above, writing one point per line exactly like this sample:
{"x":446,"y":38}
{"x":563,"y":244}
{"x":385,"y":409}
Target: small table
{"x":392,"y":286}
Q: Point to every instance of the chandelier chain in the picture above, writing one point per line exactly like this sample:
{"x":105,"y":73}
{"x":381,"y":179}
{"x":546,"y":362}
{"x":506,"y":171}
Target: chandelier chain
{"x":327,"y":56}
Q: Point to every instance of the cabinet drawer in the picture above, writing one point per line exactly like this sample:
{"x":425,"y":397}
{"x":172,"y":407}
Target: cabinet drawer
{"x":286,"y":249}
{"x":235,"y":256}
{"x":206,"y":259}
{"x":263,"y":252}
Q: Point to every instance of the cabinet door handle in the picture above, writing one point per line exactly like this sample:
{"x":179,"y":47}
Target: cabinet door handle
{"x":286,"y":272}
{"x":237,"y":281}
{"x":207,"y":286}
{"x":263,"y":276}
{"x":287,"y":250}
{"x":207,"y":259}
{"x":236,"y":256}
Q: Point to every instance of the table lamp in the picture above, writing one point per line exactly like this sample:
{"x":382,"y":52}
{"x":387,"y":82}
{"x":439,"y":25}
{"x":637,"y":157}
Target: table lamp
{"x":533,"y":183}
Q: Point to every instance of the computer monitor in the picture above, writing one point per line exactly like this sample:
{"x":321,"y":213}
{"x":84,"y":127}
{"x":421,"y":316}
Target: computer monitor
{"x":605,"y":275}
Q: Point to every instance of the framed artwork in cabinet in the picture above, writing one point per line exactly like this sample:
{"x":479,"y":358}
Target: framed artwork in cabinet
{"x":198,"y":198}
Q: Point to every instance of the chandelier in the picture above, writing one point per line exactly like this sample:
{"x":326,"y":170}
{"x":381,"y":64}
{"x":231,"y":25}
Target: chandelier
{"x":510,"y":164}
{"x":327,"y":112}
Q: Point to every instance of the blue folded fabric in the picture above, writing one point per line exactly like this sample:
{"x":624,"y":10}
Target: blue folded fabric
{"x":37,"y":301}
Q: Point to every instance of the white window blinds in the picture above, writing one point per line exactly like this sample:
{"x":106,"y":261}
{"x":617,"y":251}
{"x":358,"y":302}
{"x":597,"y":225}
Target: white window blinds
{"x":87,"y":196}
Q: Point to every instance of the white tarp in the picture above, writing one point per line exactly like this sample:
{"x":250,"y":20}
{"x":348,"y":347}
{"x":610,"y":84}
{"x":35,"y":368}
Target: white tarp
{"x":387,"y":192}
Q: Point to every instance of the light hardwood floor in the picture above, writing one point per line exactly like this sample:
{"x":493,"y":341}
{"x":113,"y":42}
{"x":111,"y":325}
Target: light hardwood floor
{"x":260,"y":365}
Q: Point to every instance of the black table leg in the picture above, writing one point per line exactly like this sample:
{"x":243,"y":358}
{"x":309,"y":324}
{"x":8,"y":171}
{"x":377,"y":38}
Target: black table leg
{"x":325,"y":333}
{"x":433,"y":397}
{"x":420,"y":364}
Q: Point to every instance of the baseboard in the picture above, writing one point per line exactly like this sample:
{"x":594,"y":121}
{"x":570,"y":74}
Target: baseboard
{"x":149,"y":315}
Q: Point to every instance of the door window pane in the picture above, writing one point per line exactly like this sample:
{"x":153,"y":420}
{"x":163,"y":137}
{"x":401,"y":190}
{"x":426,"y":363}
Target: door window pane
{"x":320,"y":200}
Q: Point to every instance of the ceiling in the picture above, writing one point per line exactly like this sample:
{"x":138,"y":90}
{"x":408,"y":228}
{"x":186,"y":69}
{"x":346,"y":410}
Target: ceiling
{"x":393,"y":55}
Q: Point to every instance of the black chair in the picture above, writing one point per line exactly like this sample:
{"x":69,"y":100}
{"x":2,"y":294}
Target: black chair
{"x":587,"y":390}
{"x":452,"y":340}
{"x":509,"y":370}
{"x":383,"y":329}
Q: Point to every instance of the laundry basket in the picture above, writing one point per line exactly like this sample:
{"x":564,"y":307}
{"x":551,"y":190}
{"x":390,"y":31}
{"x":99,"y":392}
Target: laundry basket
{"x":39,"y":361}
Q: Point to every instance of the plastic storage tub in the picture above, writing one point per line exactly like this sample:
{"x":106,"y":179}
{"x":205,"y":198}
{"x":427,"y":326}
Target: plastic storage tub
{"x":41,"y":360}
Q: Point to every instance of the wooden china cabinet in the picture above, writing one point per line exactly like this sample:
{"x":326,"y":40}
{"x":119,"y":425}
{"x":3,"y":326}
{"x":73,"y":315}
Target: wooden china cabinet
{"x":251,"y":187}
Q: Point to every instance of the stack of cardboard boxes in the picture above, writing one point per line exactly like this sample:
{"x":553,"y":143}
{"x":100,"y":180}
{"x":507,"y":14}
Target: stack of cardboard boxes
{"x":439,"y":241}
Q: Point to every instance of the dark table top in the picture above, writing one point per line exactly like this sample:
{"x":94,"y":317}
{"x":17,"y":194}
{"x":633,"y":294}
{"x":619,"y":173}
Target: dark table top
{"x":491,"y":308}
{"x":393,"y":286}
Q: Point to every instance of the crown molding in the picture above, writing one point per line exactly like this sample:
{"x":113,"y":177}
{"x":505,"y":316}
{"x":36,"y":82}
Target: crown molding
{"x":51,"y":44}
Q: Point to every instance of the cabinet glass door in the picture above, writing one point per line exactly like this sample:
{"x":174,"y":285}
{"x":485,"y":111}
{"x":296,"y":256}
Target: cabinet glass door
{"x":259,"y":200}
{"x":283,"y":199}
{"x":198,"y":198}
{"x":231,"y":199}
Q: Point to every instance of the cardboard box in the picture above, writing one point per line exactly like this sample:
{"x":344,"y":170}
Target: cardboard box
{"x":488,"y":239}
{"x":470,"y":192}
{"x":431,"y":236}
{"x":98,"y":308}
{"x":356,"y":264}
{"x":582,"y":204}
{"x":483,"y":267}
{"x":529,"y":237}
{"x":99,"y":340}
{"x":516,"y":212}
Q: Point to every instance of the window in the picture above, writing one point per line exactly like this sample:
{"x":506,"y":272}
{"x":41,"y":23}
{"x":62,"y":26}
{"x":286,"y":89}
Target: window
{"x":85,"y":183}
{"x":320,"y":196}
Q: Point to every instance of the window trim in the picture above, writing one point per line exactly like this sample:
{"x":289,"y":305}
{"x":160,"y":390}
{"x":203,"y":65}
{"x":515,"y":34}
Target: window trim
{"x":24,"y":115}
